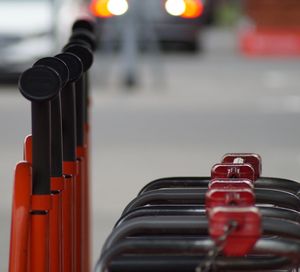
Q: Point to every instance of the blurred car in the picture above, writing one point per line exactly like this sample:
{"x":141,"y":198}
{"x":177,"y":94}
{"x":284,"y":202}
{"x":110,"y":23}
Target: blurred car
{"x":30,"y":29}
{"x":174,"y":21}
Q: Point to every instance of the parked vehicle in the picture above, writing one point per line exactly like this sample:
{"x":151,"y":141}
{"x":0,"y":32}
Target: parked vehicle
{"x":173,"y":21}
{"x":30,"y":29}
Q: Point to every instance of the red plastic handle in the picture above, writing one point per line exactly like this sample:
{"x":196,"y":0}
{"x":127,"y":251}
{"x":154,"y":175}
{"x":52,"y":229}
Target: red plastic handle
{"x":229,"y":197}
{"x":250,"y":158}
{"x":232,"y":170}
{"x":242,"y":239}
{"x":230,"y":184}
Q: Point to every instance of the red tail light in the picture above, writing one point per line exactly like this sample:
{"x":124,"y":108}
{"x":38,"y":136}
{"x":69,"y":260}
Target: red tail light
{"x":108,"y":8}
{"x":189,"y":9}
{"x":194,"y":9}
{"x":99,"y":8}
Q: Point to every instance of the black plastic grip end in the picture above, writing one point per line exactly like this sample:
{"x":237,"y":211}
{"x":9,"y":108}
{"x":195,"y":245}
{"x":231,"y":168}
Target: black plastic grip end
{"x":88,"y":24}
{"x":83,"y":52}
{"x":58,"y":65}
{"x":74,"y":65}
{"x":40,"y":83}
{"x":83,"y":35}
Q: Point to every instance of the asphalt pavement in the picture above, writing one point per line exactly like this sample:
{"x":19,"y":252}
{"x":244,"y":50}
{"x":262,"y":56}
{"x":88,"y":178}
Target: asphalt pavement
{"x":187,"y":111}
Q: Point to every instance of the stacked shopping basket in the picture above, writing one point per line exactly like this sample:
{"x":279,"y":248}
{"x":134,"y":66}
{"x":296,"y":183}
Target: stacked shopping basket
{"x":234,"y":220}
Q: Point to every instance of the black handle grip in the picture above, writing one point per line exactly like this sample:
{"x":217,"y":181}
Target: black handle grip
{"x":74,"y":65}
{"x":86,"y":80}
{"x":86,"y":56}
{"x":80,"y":42}
{"x":56,"y":64}
{"x":87,"y":24}
{"x":40,"y":84}
{"x":68,"y":103}
{"x":81,"y":51}
{"x":56,"y":121}
{"x":80,"y":111}
{"x":85,"y":36}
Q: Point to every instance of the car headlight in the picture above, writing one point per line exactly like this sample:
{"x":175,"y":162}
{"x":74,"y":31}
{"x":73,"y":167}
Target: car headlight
{"x":175,"y":7}
{"x":117,"y":7}
{"x":189,"y":9}
{"x":108,"y":8}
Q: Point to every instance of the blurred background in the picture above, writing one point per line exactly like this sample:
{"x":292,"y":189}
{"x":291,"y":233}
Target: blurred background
{"x":175,"y":85}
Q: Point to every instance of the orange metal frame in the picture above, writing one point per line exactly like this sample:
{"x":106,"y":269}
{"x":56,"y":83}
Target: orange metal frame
{"x":54,"y":240}
{"x":57,"y":238}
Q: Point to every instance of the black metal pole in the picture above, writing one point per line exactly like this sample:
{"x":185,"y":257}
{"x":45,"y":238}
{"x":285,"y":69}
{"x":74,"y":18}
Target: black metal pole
{"x":40,"y":116}
{"x":86,"y":56}
{"x":40,"y":84}
{"x":56,"y":122}
{"x":68,"y":101}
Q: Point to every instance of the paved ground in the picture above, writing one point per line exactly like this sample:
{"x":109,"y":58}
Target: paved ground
{"x":206,"y":105}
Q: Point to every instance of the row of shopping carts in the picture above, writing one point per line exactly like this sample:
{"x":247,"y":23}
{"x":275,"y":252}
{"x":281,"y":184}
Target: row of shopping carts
{"x":234,"y":220}
{"x":50,"y":212}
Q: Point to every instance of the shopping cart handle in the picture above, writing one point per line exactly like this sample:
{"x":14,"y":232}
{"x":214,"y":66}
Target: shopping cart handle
{"x":85,"y":36}
{"x":251,"y":158}
{"x":229,"y":197}
{"x":74,"y":65}
{"x":87,"y":24}
{"x":68,"y":101}
{"x":56,"y":122}
{"x":40,"y":84}
{"x":241,"y":239}
{"x":84,"y":53}
{"x":232,"y":170}
{"x":58,"y":65}
{"x":231,"y":184}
